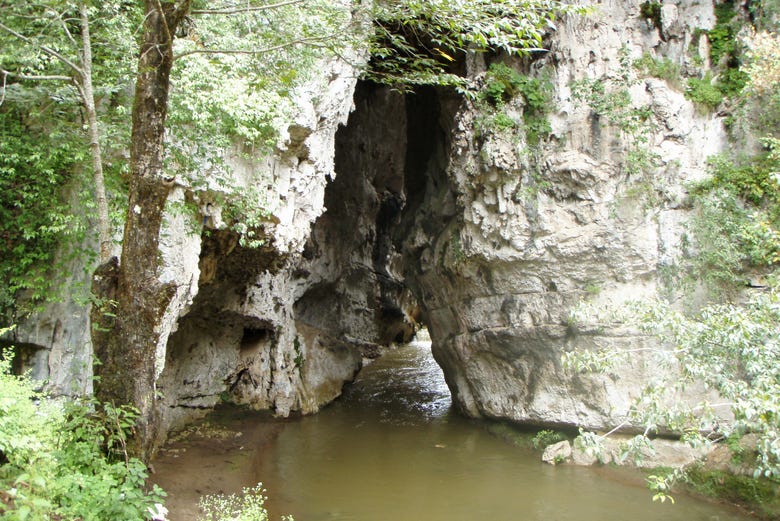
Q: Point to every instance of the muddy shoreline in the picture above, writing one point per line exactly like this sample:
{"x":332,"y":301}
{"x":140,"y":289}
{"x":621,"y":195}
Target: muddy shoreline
{"x":194,"y":464}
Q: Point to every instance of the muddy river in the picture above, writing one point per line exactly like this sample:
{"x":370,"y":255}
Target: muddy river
{"x":392,"y":449}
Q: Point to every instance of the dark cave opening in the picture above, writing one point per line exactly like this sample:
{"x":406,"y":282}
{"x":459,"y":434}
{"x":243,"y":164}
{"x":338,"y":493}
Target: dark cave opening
{"x":391,"y":182}
{"x":253,"y":339}
{"x":389,"y":156}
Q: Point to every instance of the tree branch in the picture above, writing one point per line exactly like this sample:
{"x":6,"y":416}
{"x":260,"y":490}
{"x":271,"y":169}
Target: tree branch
{"x":161,"y":13}
{"x":182,"y":11}
{"x":33,"y":77}
{"x":236,"y":10}
{"x":2,"y":89}
{"x":302,"y":41}
{"x":44,"y":48}
{"x":614,"y":430}
{"x":64,"y":26}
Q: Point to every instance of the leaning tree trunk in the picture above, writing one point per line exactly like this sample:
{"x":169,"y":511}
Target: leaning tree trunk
{"x":88,"y":96}
{"x":126,"y":340}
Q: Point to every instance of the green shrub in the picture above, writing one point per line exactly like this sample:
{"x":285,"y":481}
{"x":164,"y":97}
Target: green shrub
{"x":502,"y":121}
{"x":715,"y":229}
{"x":759,"y":494}
{"x":652,"y":11}
{"x":723,"y":42}
{"x":663,"y":68}
{"x":546,"y":437}
{"x":749,"y":179}
{"x":731,"y":82}
{"x":66,"y":460}
{"x":248,"y":506}
{"x":502,"y":84}
{"x":36,"y":164}
{"x":702,"y":92}
{"x":726,"y":56}
{"x":737,"y":223}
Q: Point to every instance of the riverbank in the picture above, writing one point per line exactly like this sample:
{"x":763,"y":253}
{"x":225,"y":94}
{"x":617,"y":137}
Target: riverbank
{"x":217,"y":455}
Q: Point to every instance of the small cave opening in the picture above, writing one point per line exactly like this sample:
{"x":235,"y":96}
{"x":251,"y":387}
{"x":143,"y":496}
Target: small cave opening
{"x":253,"y":340}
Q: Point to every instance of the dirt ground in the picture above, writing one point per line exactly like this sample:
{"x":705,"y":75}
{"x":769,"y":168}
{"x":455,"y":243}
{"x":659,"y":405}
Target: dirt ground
{"x":218,"y":455}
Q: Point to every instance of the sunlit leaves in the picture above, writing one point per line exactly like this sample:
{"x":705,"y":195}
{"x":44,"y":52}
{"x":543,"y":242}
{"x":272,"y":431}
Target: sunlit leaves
{"x":236,"y":74}
{"x":731,"y":350}
{"x":763,"y":66}
{"x":235,"y":85}
{"x":35,"y":165}
{"x":43,"y":139}
{"x":65,"y":460}
{"x":247,"y":506}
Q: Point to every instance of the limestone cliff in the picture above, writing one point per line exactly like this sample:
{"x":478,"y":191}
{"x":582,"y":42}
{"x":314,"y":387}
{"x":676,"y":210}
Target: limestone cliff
{"x":414,"y":211}
{"x":525,"y":234}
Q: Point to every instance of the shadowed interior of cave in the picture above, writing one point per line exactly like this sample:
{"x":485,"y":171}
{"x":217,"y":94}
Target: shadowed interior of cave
{"x":382,"y":159}
{"x":390,"y":170}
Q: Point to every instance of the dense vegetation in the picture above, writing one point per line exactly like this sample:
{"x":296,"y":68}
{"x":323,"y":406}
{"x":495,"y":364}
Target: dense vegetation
{"x":424,"y":42}
{"x":35,"y":215}
{"x":66,"y":460}
{"x":53,"y":148}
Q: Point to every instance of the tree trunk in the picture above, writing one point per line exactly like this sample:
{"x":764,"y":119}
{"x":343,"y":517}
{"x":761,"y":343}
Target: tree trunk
{"x":127,"y":349}
{"x":88,"y":93}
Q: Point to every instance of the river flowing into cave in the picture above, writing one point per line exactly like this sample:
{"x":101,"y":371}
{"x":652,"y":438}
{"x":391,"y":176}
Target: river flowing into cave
{"x":393,"y":449}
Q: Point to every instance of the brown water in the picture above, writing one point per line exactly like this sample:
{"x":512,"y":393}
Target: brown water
{"x":392,"y":449}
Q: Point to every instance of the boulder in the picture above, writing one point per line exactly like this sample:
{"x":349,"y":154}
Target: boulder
{"x":557,"y":452}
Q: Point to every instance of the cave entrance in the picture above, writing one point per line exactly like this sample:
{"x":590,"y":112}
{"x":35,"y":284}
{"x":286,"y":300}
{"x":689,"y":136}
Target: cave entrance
{"x":389,"y":197}
{"x":284,"y":333}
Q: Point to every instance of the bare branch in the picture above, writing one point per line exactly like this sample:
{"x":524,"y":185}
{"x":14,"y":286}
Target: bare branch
{"x":64,"y":26}
{"x":80,"y":90}
{"x":293,"y":43}
{"x":34,"y":77}
{"x":44,"y":48}
{"x":236,"y":10}
{"x":614,"y":430}
{"x":2,"y":89}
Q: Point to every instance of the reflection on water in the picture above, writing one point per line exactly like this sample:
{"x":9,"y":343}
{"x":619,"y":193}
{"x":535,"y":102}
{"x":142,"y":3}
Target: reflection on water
{"x":392,"y":449}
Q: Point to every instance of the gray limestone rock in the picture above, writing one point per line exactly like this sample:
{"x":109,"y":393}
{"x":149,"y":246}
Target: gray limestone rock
{"x":646,"y":454}
{"x":557,"y":453}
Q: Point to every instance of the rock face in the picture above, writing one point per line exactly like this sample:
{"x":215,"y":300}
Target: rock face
{"x":507,"y":239}
{"x":638,"y":452}
{"x":557,"y":452}
{"x":285,"y":325}
{"x":415,"y":211}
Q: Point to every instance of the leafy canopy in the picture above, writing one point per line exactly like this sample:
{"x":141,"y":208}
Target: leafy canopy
{"x":44,"y":154}
{"x":420,"y":41}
